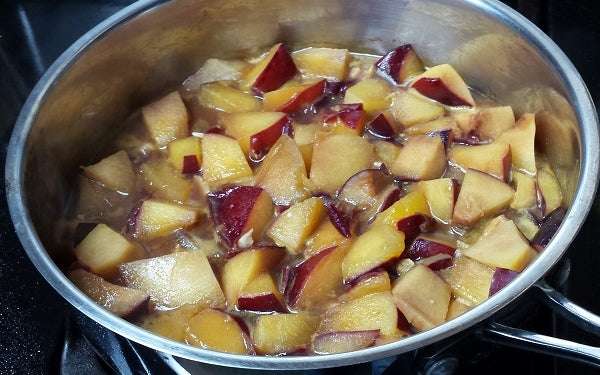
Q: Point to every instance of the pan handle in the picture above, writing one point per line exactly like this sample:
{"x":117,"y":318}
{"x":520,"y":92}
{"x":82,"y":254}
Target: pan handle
{"x":504,"y":335}
{"x":565,"y":308}
{"x":500,"y":334}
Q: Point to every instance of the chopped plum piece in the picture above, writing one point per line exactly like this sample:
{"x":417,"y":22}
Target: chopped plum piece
{"x":501,"y":278}
{"x":334,"y":91}
{"x":119,"y":300}
{"x":338,"y":218}
{"x":383,"y":126}
{"x":343,"y":341}
{"x":413,"y":225}
{"x":372,"y":249}
{"x":269,"y":74}
{"x":400,"y":64}
{"x":238,"y":210}
{"x":548,"y":228}
{"x":294,"y":98}
{"x":349,"y":118}
{"x":362,"y":188}
{"x":443,"y":84}
{"x":261,"y":295}
{"x":436,"y":262}
{"x":317,"y":280}
{"x":424,"y":307}
{"x":426,"y":246}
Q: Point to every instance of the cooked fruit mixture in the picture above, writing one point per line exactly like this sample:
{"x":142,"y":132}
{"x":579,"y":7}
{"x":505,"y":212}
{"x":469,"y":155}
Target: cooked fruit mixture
{"x":312,"y":202}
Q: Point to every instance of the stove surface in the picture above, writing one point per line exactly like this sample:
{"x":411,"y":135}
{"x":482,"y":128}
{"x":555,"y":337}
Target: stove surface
{"x":37,"y":334}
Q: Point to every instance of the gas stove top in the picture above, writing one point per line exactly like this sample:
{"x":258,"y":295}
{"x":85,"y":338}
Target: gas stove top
{"x":38,"y":330}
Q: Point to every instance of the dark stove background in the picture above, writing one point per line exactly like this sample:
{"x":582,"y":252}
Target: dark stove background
{"x":34,"y":320}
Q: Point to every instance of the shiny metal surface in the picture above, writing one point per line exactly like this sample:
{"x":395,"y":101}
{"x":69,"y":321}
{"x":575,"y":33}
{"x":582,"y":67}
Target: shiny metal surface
{"x":544,"y":344}
{"x":152,"y":46}
{"x":554,"y":346}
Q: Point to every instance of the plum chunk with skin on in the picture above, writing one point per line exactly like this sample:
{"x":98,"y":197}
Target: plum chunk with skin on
{"x":411,"y":204}
{"x":383,"y":125}
{"x":412,"y":226}
{"x":386,"y":151}
{"x":170,"y":323}
{"x":269,"y":74}
{"x":521,"y":139}
{"x":244,"y":267}
{"x":255,"y":131}
{"x":338,"y":216}
{"x":317,"y":280}
{"x":383,"y":200}
{"x":549,"y":189}
{"x":425,"y":246}
{"x":456,"y":308}
{"x":372,"y":282}
{"x":261,"y":295}
{"x":292,"y":98}
{"x":502,"y":277}
{"x":526,"y":194}
{"x":436,"y":262}
{"x":304,"y":135}
{"x":493,"y":121}
{"x":432,"y":126}
{"x":239,"y":211}
{"x":548,"y":228}
{"x":443,"y":84}
{"x":185,"y":154}
{"x":400,"y":64}
{"x":361,"y":190}
{"x":326,"y":235}
{"x":346,"y":118}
